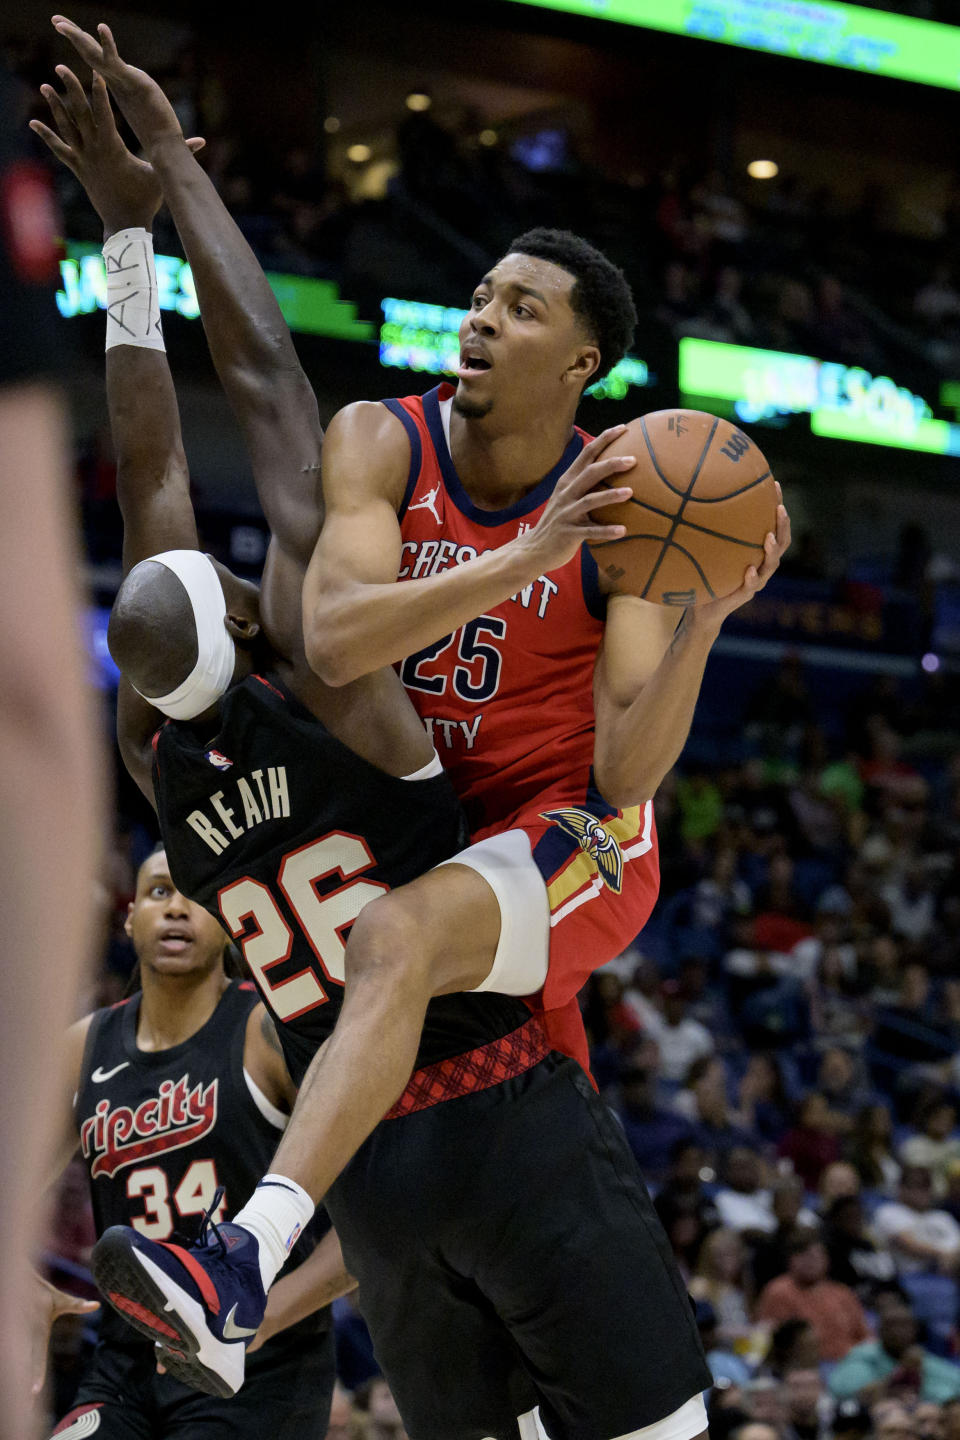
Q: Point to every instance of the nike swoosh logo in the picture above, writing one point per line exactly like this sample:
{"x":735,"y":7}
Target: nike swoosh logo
{"x":99,"y":1075}
{"x":236,"y":1332}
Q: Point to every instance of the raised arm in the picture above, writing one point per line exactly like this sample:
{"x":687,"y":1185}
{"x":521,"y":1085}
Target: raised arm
{"x":648,"y":678}
{"x":248,"y":337}
{"x":153,"y":484}
{"x":355,"y":618}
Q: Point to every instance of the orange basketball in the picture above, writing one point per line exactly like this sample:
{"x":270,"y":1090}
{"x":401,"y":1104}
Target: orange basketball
{"x":703,"y":502}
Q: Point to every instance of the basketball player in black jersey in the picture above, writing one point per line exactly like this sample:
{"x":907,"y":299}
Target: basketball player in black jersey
{"x":506,"y":1249}
{"x":181,"y":1092}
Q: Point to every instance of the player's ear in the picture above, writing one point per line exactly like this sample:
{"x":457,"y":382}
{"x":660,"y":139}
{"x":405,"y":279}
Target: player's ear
{"x":243,"y":629}
{"x":585,"y":363}
{"x":128,"y":922}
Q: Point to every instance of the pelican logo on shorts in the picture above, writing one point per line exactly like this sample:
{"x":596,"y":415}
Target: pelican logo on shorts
{"x":220,"y":762}
{"x":594,"y":840}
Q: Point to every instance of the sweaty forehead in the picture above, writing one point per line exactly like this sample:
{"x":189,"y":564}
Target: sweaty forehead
{"x":550,"y":280}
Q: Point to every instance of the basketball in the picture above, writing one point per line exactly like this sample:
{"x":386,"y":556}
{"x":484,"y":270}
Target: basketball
{"x":703,"y":502}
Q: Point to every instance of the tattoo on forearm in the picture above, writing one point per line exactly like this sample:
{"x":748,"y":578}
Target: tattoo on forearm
{"x":269,"y":1032}
{"x":684,"y":618}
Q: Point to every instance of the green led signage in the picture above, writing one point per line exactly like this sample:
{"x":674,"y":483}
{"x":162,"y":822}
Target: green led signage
{"x":415,"y":336}
{"x":844,"y":402}
{"x":853,"y":36}
{"x":311,"y":307}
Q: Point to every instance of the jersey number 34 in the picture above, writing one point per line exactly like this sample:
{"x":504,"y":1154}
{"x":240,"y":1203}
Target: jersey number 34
{"x":254,"y":918}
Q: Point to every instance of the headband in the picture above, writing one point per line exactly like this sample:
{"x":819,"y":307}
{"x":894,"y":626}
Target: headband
{"x":216,"y":653}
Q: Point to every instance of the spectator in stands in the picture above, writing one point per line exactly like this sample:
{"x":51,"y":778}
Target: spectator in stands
{"x":854,"y":1258}
{"x":912,"y":903}
{"x":928,"y":1421}
{"x":935,"y":1147}
{"x":377,"y":1405}
{"x":744,"y":1202}
{"x":684,"y":1228}
{"x":652,"y":1132}
{"x":767,"y":1402}
{"x":762,"y":1102}
{"x":781,"y":918}
{"x":685,"y":1182}
{"x":341,"y":1413}
{"x":837,"y":1181}
{"x":679,"y":1038}
{"x":793,"y":1345}
{"x":893,"y":1421}
{"x":811,"y":1145}
{"x":705,"y":1105}
{"x":780,"y":709}
{"x":809,"y":1405}
{"x":719,"y":897}
{"x":869,"y":1149}
{"x":772,"y":1252}
{"x":806,"y":1293}
{"x":721,"y":1279}
{"x":838,"y":1011}
{"x":851,"y":1421}
{"x":706,"y":1003}
{"x":701,"y":805}
{"x":724,"y":1364}
{"x":757,"y":1430}
{"x":842,"y":1087}
{"x":910,"y":1032}
{"x":607,"y":1016}
{"x":894,"y":1364}
{"x":918,"y":1236}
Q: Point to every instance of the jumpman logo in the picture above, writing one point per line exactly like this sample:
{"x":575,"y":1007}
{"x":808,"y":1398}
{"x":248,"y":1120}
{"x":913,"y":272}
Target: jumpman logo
{"x":429,"y":502}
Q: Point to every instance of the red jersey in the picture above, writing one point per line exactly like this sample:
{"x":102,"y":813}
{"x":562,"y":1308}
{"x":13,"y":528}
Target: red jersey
{"x":508,"y":699}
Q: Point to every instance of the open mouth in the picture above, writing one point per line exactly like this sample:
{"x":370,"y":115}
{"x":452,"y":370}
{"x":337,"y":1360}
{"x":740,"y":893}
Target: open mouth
{"x":174,"y":942}
{"x":472,"y":365}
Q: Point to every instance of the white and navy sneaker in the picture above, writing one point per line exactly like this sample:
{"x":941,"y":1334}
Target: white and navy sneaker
{"x":201,"y":1304}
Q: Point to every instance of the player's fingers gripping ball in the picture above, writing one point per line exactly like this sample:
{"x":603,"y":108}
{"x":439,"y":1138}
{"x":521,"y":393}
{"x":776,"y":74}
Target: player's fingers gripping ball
{"x":703,"y":502}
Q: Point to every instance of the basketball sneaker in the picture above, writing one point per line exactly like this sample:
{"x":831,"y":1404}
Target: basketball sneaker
{"x":201,"y":1304}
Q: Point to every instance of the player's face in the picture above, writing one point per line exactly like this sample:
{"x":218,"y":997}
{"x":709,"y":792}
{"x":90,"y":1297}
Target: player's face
{"x":171,"y":935}
{"x":521,"y":345}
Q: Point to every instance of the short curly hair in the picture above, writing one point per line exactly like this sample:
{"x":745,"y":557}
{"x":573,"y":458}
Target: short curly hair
{"x":601,"y":296}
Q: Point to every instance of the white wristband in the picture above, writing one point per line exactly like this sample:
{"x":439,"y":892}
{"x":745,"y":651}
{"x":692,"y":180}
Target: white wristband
{"x":133,"y":309}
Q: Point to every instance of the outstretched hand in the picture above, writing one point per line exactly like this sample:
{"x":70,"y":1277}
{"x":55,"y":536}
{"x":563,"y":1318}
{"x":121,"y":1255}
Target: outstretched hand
{"x":139,"y":97}
{"x":775,"y":546}
{"x":123,"y":189}
{"x":49,"y":1304}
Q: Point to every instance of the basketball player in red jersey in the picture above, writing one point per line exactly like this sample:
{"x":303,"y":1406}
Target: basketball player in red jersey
{"x":557,"y":708}
{"x":589,"y":1379}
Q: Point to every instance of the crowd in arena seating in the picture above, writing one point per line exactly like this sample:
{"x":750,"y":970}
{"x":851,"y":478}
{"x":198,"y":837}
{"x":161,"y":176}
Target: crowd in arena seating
{"x":781,"y":1046}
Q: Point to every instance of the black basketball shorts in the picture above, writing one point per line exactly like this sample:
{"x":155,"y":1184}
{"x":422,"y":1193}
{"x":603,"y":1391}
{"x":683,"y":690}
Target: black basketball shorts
{"x":508,"y":1255}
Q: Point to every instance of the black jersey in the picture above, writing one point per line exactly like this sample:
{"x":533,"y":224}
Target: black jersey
{"x":160,"y":1130}
{"x":284,"y":834}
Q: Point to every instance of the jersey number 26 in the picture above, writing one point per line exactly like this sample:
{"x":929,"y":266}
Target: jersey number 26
{"x":254,"y":918}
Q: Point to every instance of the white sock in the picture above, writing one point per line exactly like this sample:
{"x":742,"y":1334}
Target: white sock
{"x":276,"y":1213}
